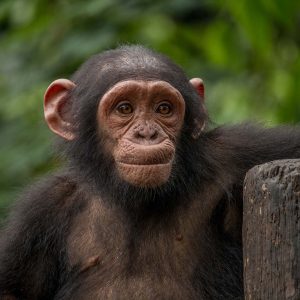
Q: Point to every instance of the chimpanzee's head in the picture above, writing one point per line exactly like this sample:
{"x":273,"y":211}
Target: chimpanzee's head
{"x":125,"y":115}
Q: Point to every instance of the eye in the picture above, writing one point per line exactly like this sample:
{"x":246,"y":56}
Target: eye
{"x":124,"y":108}
{"x":164,"y":109}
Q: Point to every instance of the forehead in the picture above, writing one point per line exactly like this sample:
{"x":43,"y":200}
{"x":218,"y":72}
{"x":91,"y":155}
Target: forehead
{"x":147,"y":85}
{"x":141,"y":89}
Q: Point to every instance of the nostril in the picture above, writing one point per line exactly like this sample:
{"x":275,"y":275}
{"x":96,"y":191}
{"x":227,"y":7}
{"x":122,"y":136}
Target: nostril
{"x":141,"y":132}
{"x":146,"y":132}
{"x":153,"y":135}
{"x":140,"y":135}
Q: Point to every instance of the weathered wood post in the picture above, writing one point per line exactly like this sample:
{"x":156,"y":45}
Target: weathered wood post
{"x":271,"y":231}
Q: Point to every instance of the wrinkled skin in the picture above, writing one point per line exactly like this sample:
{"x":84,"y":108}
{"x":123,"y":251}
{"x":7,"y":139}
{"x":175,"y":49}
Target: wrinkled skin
{"x":140,"y":122}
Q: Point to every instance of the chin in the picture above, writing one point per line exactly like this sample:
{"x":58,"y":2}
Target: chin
{"x":145,"y":176}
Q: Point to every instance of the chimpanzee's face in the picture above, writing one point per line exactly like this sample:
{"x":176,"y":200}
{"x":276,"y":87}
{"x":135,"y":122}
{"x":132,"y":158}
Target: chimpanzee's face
{"x":123,"y":115}
{"x":139,"y":122}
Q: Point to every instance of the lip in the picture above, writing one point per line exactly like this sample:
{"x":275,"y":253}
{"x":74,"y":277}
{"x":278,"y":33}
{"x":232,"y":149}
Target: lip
{"x":144,"y":164}
{"x":137,"y":155}
{"x":149,"y":143}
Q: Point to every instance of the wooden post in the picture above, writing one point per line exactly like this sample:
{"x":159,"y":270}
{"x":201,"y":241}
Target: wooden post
{"x":271,"y":231}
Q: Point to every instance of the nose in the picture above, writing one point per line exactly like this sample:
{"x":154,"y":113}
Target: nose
{"x":146,"y":131}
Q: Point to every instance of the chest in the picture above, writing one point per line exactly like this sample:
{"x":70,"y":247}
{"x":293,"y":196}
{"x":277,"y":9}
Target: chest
{"x":112,"y":260}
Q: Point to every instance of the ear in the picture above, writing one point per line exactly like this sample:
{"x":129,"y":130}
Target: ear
{"x":55,"y":108}
{"x":198,"y":84}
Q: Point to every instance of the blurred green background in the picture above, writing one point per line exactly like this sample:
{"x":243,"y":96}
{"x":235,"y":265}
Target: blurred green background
{"x":247,"y":52}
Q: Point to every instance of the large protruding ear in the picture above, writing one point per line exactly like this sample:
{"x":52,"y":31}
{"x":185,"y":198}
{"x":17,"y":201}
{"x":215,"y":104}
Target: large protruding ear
{"x":198,"y":84}
{"x":56,"y":104}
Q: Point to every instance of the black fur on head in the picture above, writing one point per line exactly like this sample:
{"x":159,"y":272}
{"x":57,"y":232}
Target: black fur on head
{"x":85,"y":153}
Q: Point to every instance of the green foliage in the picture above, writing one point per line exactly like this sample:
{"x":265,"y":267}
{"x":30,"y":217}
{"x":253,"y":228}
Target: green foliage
{"x":246,"y":51}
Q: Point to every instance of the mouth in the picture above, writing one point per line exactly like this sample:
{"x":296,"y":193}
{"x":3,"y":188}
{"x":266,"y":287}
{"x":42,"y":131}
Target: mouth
{"x":147,"y":164}
{"x":147,"y":158}
{"x":139,"y":155}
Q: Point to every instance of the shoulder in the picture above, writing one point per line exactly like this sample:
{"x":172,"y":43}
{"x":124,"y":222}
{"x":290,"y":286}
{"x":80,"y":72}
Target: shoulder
{"x":48,"y":198}
{"x":50,"y":189}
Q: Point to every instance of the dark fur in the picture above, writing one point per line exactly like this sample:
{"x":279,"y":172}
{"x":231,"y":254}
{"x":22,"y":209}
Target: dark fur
{"x":179,"y":241}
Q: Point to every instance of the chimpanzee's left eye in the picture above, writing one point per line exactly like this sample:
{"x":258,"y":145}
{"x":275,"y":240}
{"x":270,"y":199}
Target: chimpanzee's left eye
{"x":164,"y":109}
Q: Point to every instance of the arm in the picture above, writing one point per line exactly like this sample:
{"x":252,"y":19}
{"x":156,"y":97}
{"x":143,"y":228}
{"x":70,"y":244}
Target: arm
{"x":31,"y":256}
{"x":234,"y":150}
{"x":248,"y":145}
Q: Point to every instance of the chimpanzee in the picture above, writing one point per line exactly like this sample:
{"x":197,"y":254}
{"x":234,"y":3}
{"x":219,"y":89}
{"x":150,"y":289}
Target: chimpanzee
{"x":149,"y":205}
